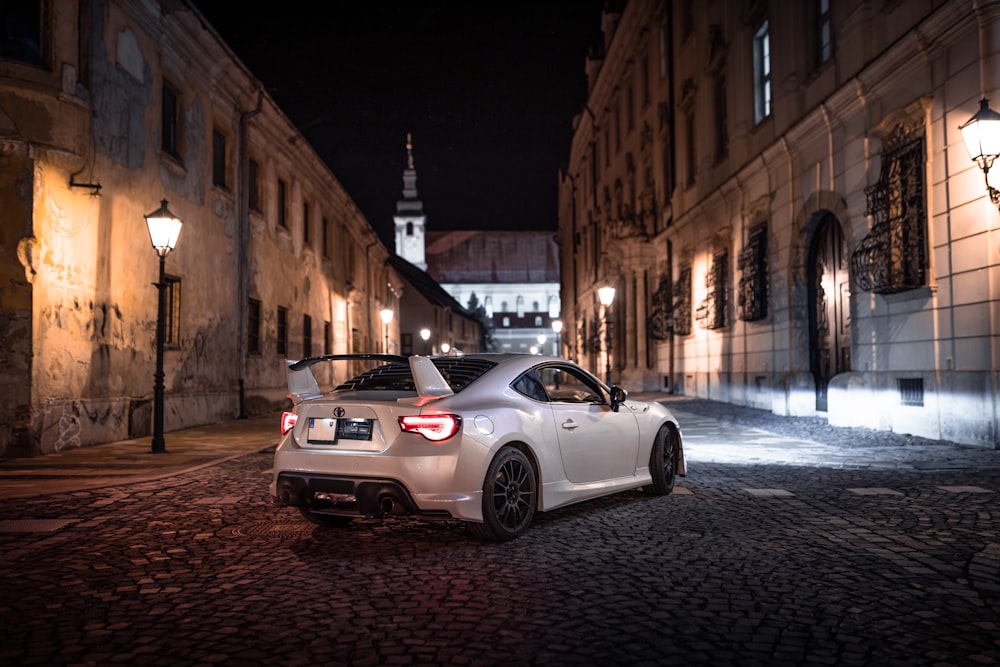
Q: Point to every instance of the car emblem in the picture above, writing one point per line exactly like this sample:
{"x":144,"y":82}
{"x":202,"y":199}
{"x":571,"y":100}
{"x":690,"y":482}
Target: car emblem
{"x":338,"y":412}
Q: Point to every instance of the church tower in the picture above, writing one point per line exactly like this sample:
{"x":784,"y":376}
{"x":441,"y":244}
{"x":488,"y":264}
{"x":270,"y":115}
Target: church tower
{"x":410,"y":219}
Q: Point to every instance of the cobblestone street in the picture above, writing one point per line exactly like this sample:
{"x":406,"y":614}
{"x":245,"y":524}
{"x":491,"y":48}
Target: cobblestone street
{"x":743,"y":564}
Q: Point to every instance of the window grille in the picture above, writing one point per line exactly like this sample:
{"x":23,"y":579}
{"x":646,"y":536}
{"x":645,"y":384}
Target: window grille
{"x":892,"y":258}
{"x":682,"y":302}
{"x":911,"y":391}
{"x":753,"y":276}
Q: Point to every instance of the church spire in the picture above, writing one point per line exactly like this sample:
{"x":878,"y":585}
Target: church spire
{"x":410,"y":221}
{"x":410,"y":174}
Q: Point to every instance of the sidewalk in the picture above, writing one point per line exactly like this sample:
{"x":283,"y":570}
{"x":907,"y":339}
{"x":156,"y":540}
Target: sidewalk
{"x":131,"y":461}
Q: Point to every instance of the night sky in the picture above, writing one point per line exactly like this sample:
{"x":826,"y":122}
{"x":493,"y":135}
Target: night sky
{"x":488,"y":91}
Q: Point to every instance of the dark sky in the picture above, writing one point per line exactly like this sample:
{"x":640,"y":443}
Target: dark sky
{"x":488,"y":90}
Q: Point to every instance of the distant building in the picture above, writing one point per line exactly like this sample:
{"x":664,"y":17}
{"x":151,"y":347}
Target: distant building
{"x":781,"y":196}
{"x":107,"y":108}
{"x":514,"y":276}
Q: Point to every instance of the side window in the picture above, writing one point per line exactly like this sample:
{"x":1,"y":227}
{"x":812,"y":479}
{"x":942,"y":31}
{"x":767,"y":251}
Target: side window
{"x":529,"y":385}
{"x":567,"y":385}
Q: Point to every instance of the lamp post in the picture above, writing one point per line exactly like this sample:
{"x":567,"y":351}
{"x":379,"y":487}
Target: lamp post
{"x":425,"y":335}
{"x":541,"y":343}
{"x":386,"y":319}
{"x":982,"y":139}
{"x":606,"y":295}
{"x":164,"y":228}
{"x":557,"y":328}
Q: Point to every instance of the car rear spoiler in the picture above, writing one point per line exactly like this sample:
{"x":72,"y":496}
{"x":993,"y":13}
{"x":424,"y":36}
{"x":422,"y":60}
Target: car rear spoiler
{"x":429,"y":382}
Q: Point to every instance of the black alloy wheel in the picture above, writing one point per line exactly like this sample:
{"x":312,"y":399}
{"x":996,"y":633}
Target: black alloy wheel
{"x":510,"y":496}
{"x":663,"y":462}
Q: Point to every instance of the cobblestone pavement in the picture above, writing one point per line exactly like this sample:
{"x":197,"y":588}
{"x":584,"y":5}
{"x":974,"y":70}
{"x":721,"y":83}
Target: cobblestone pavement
{"x":884,"y":563}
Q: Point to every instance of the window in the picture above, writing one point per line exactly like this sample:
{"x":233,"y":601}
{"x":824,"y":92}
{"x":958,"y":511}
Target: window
{"x":892,"y":258}
{"x":762,"y":73}
{"x":327,"y":338}
{"x":282,"y":338}
{"x":282,"y":204}
{"x":253,"y":327}
{"x":170,"y":122}
{"x":712,"y":312}
{"x":326,"y":237}
{"x":629,"y":109}
{"x":307,"y":336}
{"x":219,"y":159}
{"x":753,"y":275}
{"x":172,"y":311}
{"x":645,"y":81}
{"x":823,"y":33}
{"x":618,"y":127}
{"x":682,"y":302}
{"x":721,"y":120}
{"x":254,"y":186}
{"x":691,"y":159}
{"x":21,"y":36}
{"x":305,"y":223}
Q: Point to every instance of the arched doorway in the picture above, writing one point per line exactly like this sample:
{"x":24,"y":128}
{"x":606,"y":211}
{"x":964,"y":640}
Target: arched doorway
{"x":829,"y":305}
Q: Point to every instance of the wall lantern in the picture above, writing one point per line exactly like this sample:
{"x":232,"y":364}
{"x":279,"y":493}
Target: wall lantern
{"x":982,"y":139}
{"x":164,"y":228}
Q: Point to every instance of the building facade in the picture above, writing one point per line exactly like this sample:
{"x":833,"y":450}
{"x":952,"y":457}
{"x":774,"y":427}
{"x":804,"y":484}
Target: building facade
{"x":780,"y":193}
{"x":108,"y":107}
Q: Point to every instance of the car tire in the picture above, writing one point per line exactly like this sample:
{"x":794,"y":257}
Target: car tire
{"x":510,"y":496}
{"x":663,"y":462}
{"x":325,"y":520}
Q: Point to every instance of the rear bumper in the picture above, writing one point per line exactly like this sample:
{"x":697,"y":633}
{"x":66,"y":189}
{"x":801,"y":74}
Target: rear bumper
{"x":345,"y":496}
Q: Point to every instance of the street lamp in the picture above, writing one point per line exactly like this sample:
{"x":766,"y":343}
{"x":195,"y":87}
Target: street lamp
{"x":557,"y":327}
{"x":541,"y":343}
{"x":425,"y":335}
{"x":606,"y":295}
{"x":386,"y":319}
{"x":445,"y":348}
{"x":982,"y":139}
{"x":164,"y":228}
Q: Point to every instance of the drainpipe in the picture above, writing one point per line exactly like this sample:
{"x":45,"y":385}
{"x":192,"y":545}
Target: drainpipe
{"x":243,"y":243}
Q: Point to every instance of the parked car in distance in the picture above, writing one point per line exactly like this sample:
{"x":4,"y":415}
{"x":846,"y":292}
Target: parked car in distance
{"x":488,"y":439}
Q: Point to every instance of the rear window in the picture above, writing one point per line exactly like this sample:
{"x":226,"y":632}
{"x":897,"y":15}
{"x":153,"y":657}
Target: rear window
{"x":458,"y":372}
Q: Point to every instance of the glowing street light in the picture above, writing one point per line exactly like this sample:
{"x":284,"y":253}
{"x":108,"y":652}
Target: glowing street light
{"x":164,"y":228}
{"x":557,"y":326}
{"x":606,"y":295}
{"x":386,"y":320}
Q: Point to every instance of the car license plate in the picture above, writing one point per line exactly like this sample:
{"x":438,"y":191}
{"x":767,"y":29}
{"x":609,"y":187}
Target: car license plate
{"x":327,"y":431}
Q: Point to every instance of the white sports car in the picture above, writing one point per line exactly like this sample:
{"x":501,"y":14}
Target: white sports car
{"x":488,"y":439}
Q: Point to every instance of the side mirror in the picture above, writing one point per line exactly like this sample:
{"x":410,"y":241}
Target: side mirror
{"x":618,"y":396}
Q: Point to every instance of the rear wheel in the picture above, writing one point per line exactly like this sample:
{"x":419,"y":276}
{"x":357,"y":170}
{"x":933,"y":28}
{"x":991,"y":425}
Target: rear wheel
{"x":663,"y":462}
{"x":510,"y":495}
{"x":326,"y":520}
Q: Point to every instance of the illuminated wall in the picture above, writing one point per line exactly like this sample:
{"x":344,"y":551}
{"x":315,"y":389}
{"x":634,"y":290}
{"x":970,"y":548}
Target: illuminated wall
{"x":782,"y":196}
{"x":84,"y":157}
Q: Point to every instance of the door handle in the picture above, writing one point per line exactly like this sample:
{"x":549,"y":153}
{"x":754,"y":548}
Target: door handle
{"x":569,"y":424}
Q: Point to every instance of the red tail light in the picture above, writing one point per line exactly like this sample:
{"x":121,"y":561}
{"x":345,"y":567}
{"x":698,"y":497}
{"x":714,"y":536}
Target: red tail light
{"x":433,"y":427}
{"x":288,"y":420}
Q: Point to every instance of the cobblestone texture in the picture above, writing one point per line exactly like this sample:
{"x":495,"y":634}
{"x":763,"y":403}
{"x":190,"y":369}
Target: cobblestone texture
{"x":843,"y":567}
